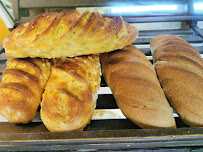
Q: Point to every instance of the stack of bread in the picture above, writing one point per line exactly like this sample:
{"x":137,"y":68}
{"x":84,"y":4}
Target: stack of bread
{"x":54,"y":60}
{"x":68,"y":89}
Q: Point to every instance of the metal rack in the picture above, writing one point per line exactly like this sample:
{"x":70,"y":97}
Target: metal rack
{"x":109,"y":130}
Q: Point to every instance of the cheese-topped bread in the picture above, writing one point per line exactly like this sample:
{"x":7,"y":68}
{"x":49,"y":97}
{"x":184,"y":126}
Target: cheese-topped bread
{"x":70,"y":96}
{"x":21,"y":88}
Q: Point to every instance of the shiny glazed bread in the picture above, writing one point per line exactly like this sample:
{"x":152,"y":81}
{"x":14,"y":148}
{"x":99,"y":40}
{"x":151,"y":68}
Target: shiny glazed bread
{"x":180,"y":71}
{"x":70,"y":96}
{"x":21,"y":88}
{"x":136,"y":89}
{"x":68,"y":33}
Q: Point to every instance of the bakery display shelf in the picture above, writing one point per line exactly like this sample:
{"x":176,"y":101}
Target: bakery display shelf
{"x":109,"y":129}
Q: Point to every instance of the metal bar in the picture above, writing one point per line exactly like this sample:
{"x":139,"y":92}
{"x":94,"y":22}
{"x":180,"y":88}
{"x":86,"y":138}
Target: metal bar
{"x":15,"y":4}
{"x":125,"y":136}
{"x":198,"y":30}
{"x":26,"y":19}
{"x":2,"y":67}
{"x":105,"y":124}
{"x":136,"y":19}
{"x":1,"y":48}
{"x":200,"y":149}
{"x":200,"y":49}
{"x":3,"y":56}
{"x":99,"y":114}
{"x":163,"y":19}
{"x":5,"y":16}
{"x":191,"y":11}
{"x":189,"y":38}
{"x":91,"y":3}
{"x":147,"y":51}
{"x":107,"y":146}
{"x":119,"y":139}
{"x":174,"y":32}
{"x":190,"y":7}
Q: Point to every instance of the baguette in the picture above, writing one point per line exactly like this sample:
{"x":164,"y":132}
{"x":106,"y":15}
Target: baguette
{"x":21,"y":88}
{"x":180,"y":71}
{"x":136,"y":89}
{"x":70,"y":96}
{"x":68,"y":33}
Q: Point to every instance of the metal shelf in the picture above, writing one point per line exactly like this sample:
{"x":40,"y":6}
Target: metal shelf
{"x":103,"y":140}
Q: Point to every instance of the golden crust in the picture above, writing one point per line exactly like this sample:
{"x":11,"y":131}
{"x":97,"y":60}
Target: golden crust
{"x":180,"y":70}
{"x":21,"y":88}
{"x":70,"y":96}
{"x":68,"y":33}
{"x":136,"y":89}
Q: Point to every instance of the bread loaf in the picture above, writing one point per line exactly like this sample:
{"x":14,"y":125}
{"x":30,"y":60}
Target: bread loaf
{"x":68,"y":33}
{"x":70,"y":96}
{"x":21,"y":88}
{"x":180,"y":71}
{"x":136,"y":89}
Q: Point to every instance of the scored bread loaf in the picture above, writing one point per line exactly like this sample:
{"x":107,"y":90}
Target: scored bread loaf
{"x":180,"y":71}
{"x":21,"y":88}
{"x":134,"y":84}
{"x":68,"y":33}
{"x":70,"y":96}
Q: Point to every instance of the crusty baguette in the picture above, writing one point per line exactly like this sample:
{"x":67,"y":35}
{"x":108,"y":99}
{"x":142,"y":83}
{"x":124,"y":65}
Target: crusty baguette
{"x":21,"y":88}
{"x":70,"y":96}
{"x":136,"y":89}
{"x":68,"y":33}
{"x":180,"y":71}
